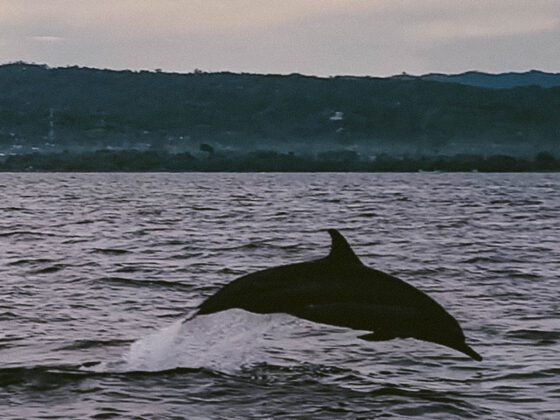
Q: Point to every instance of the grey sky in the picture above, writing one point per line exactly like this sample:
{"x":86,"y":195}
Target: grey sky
{"x":322,"y":37}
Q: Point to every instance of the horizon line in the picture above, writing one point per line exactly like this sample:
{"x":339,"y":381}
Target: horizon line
{"x":202,"y":71}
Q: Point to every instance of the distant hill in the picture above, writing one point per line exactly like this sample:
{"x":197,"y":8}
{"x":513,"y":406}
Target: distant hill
{"x":48,"y":110}
{"x":498,"y":81}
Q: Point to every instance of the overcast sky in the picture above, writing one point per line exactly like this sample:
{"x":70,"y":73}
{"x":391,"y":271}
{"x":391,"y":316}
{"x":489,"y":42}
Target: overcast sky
{"x":319,"y":37}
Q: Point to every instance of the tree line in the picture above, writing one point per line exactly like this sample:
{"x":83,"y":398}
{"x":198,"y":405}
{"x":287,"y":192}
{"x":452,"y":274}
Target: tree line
{"x":270,"y":161}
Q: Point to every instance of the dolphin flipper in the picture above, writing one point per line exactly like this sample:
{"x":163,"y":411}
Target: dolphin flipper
{"x":377,"y":336}
{"x":382,"y":319}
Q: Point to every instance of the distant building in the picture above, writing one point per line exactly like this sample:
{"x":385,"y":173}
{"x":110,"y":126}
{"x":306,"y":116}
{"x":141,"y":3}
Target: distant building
{"x":337,"y":116}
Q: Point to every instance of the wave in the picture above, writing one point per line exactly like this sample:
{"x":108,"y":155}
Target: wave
{"x":261,"y":245}
{"x":28,"y":261}
{"x":87,"y":344}
{"x":111,"y":251}
{"x":124,"y":281}
{"x":26,"y":233}
{"x":50,"y":269}
{"x":40,"y":376}
{"x":543,"y":337}
{"x":7,"y":315}
{"x":49,"y":376}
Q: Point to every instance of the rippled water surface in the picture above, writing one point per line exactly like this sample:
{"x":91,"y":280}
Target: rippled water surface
{"x":97,"y":271}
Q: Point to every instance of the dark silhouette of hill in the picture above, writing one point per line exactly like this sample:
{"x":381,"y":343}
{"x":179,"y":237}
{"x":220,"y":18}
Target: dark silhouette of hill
{"x":498,"y":81}
{"x":49,"y":110}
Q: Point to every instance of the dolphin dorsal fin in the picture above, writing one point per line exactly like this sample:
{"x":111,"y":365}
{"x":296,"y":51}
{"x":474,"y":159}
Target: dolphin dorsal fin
{"x":341,"y":252}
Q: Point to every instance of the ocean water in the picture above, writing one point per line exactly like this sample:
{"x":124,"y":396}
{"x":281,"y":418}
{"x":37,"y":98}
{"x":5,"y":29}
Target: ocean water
{"x":97,"y":272}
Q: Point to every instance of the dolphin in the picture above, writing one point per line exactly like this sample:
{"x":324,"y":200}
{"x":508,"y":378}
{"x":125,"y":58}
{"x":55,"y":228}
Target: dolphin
{"x":340,"y":290}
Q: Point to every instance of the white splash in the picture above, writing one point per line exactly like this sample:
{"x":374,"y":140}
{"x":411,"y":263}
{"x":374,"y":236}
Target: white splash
{"x":231,"y":340}
{"x":223,"y":341}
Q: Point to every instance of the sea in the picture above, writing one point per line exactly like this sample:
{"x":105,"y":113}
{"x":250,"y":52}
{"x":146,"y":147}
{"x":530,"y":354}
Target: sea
{"x":99,"y":271}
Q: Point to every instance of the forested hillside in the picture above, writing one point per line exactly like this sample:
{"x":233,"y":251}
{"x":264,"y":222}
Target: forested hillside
{"x":46,"y":110}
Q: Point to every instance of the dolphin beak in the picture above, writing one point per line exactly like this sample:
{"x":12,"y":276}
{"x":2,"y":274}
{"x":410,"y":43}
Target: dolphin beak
{"x":464,"y":348}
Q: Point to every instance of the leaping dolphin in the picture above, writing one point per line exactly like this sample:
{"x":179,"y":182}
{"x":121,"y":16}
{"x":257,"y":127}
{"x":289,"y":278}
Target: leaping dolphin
{"x":340,"y":290}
